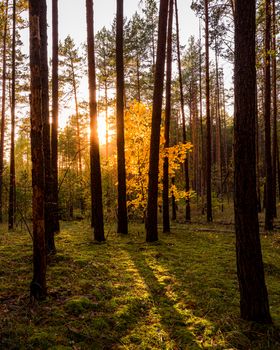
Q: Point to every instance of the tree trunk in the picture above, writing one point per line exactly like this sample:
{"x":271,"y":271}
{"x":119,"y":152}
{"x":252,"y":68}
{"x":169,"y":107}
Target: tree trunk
{"x":165,"y":192}
{"x":38,"y":285}
{"x":3,"y":111}
{"x":151,"y":221}
{"x":122,"y":209}
{"x":274,"y":102}
{"x":12,"y":187}
{"x":49,"y":231}
{"x":54,"y":129}
{"x":253,"y":294}
{"x":208,"y":120}
{"x":267,"y":127}
{"x":95,"y":168}
{"x":186,"y":162}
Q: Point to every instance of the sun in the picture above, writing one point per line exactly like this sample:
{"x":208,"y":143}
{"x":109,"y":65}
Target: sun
{"x":101,"y":129}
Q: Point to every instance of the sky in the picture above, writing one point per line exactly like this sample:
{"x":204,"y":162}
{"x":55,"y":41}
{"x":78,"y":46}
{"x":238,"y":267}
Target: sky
{"x":72,"y":18}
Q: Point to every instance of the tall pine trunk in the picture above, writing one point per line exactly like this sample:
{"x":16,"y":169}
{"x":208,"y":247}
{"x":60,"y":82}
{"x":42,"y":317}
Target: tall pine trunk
{"x":54,"y":126}
{"x":38,"y":288}
{"x":186,"y":162}
{"x":95,"y":168}
{"x":274,"y":102}
{"x":152,"y":214}
{"x":3,"y":110}
{"x":165,"y":192}
{"x":267,"y":120}
{"x":12,"y":186}
{"x":208,"y":119}
{"x":122,"y":209}
{"x":49,"y":231}
{"x":253,"y":294}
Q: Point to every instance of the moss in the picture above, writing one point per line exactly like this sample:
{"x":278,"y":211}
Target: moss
{"x":126,"y":294}
{"x":78,"y":305}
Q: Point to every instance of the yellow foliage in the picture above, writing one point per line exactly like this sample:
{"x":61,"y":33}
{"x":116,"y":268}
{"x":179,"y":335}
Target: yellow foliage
{"x":138,"y":120}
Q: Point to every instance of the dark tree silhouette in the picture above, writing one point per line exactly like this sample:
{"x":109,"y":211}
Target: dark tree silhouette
{"x":38,"y":284}
{"x":208,"y":118}
{"x":152,"y":215}
{"x":54,"y":126}
{"x":165,"y":191}
{"x":122,"y":209}
{"x":269,"y":202}
{"x":186,"y":162}
{"x":3,"y":107}
{"x":95,"y":168}
{"x":49,"y":227}
{"x":12,"y":186}
{"x":253,"y":294}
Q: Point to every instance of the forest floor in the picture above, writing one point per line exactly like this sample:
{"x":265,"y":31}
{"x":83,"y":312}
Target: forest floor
{"x":179,"y":293}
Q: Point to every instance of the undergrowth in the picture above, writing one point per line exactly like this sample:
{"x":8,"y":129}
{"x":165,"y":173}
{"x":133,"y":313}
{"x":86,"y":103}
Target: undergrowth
{"x":180,"y":293}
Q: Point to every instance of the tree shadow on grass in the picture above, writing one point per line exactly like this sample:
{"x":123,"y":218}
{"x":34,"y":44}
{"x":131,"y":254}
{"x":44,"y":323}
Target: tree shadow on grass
{"x":177,"y":327}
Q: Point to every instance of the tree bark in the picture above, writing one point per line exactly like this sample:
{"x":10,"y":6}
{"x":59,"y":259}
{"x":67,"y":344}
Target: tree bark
{"x":186,"y":162}
{"x":12,"y":186}
{"x":267,"y":127}
{"x":253,"y":294}
{"x":49,"y":226}
{"x":3,"y":110}
{"x":38,"y":288}
{"x":54,"y":126}
{"x":274,"y":102}
{"x":95,"y":168}
{"x":152,"y":217}
{"x":165,"y":192}
{"x":122,"y":209}
{"x":208,"y":119}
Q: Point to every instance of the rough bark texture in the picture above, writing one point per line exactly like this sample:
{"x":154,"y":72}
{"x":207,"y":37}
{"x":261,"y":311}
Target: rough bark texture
{"x":49,"y":227}
{"x":122,"y":209}
{"x":95,"y":168}
{"x":253,"y":294}
{"x":186,"y":162}
{"x":165,"y":192}
{"x":54,"y":126}
{"x":38,"y":284}
{"x":208,"y":120}
{"x":151,"y":220}
{"x":274,"y":102}
{"x":267,"y":128}
{"x":12,"y":185}
{"x":3,"y":110}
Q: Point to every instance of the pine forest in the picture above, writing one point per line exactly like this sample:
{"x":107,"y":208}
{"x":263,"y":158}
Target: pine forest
{"x":140,"y":174}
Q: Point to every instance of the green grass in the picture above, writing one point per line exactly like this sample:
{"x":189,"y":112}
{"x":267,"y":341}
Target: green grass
{"x":180,"y":293}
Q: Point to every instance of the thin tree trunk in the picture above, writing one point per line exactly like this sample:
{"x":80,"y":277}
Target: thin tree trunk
{"x":95,"y":168}
{"x":208,"y":119}
{"x":12,"y":187}
{"x":274,"y":101}
{"x":253,"y":293}
{"x":3,"y":111}
{"x":202,"y":148}
{"x":122,"y":209}
{"x":186,"y":162}
{"x":152,"y":217}
{"x":38,"y":285}
{"x":54,"y":130}
{"x":49,"y":231}
{"x":165,"y":192}
{"x":267,"y":110}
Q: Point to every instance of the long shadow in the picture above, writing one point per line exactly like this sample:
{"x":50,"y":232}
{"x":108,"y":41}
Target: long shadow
{"x":174,"y":324}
